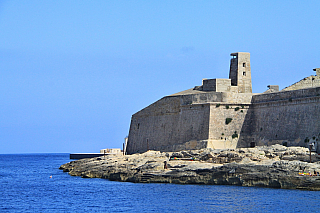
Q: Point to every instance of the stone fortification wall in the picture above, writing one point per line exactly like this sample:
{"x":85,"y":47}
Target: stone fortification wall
{"x":223,"y":85}
{"x":226,"y":124}
{"x":190,"y":121}
{"x":220,"y":97}
{"x":217,"y":85}
{"x":223,"y":113}
{"x":290,"y":118}
{"x":227,"y":120}
{"x":286,"y":95}
{"x":202,"y":98}
{"x":167,"y":125}
{"x":237,"y":98}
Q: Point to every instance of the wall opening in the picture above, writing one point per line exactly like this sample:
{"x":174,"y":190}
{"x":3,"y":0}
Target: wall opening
{"x":244,"y":73}
{"x":244,"y":64}
{"x":253,"y":144}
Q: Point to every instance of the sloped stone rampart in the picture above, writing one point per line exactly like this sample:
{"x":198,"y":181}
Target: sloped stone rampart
{"x":308,"y":82}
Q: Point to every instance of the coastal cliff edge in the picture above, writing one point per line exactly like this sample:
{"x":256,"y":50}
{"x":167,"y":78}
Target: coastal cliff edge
{"x":274,"y":166}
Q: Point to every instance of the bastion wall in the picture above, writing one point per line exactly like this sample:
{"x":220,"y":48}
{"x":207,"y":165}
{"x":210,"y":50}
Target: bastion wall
{"x":226,"y":124}
{"x":224,"y":113}
{"x":167,"y":125}
{"x":291,"y":118}
{"x":191,"y":121}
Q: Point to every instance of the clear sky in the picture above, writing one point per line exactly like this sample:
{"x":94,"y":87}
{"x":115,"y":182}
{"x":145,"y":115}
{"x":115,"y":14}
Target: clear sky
{"x":73,"y":72}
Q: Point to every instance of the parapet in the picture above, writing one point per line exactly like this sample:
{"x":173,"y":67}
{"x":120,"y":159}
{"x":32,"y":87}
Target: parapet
{"x":274,"y":88}
{"x":216,"y":85}
{"x":317,"y":71}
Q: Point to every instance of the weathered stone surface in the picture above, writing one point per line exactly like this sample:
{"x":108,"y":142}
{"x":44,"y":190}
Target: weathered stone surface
{"x":275,"y":166}
{"x":224,"y":113}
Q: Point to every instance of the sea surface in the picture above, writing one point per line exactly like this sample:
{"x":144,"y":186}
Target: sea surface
{"x":26,"y":186}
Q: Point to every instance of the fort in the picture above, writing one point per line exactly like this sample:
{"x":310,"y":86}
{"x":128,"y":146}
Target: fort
{"x":225,"y":114}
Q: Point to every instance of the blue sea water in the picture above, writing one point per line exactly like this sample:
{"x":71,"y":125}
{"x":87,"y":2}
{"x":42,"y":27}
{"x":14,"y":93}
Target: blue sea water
{"x":26,"y":186}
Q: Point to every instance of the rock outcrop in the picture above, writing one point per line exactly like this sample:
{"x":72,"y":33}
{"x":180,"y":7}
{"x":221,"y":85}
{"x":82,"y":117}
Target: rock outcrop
{"x":274,"y":166}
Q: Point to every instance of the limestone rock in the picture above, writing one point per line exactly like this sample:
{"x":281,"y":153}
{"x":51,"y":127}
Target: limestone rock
{"x":274,"y":166}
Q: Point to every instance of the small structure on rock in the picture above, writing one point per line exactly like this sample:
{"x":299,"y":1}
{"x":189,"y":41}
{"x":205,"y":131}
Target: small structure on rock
{"x":111,"y":151}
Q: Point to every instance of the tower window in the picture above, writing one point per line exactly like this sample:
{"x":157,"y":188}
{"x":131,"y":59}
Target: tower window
{"x":244,"y":73}
{"x":244,"y":64}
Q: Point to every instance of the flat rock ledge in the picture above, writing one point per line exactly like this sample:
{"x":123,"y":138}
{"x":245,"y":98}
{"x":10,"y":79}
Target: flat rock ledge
{"x":274,"y":166}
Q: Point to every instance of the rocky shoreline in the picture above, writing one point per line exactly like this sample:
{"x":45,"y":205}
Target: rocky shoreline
{"x":274,"y":166}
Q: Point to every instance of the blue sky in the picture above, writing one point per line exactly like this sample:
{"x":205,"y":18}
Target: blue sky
{"x":73,"y":72}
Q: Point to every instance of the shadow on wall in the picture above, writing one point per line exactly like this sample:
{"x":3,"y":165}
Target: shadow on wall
{"x":246,"y":134}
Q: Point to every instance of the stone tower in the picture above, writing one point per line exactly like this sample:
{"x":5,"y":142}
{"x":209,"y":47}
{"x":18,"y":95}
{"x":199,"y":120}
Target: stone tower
{"x":240,"y":72}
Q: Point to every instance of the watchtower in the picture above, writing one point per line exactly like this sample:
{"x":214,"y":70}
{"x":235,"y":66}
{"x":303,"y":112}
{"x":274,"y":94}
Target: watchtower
{"x":240,"y":72}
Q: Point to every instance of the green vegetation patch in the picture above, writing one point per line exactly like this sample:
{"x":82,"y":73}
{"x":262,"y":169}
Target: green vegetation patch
{"x":228,"y":120}
{"x":235,"y":135}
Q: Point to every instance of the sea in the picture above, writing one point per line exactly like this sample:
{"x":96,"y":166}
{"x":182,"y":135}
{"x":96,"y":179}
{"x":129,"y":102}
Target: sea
{"x":34,"y":183}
